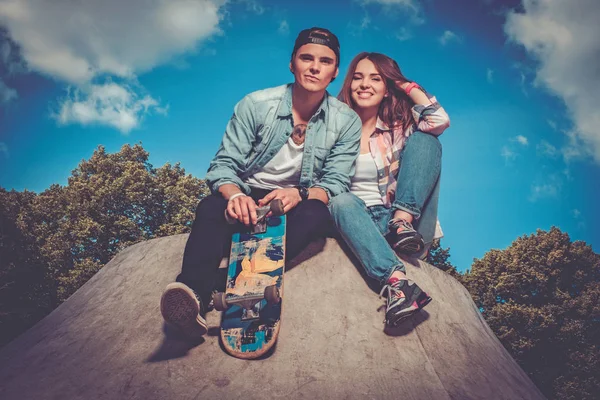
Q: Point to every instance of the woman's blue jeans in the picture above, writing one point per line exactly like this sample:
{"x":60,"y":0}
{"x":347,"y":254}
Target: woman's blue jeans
{"x":363,"y":228}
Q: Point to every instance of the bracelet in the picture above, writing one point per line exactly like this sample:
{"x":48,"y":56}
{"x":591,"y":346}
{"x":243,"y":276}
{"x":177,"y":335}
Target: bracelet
{"x":236,"y":195}
{"x":410,"y":87}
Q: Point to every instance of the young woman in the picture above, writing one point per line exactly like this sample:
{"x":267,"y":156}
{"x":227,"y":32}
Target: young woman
{"x":396,"y":183}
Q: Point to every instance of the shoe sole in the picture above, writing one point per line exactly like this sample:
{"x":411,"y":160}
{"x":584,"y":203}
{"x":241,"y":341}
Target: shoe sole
{"x":180,"y":308}
{"x":408,"y":312}
{"x":409,"y":246}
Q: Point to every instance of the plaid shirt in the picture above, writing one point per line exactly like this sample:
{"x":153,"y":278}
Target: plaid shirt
{"x":386,"y":144}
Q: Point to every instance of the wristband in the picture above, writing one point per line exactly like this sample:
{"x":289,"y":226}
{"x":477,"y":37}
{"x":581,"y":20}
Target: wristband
{"x":236,"y":195}
{"x":410,"y":87}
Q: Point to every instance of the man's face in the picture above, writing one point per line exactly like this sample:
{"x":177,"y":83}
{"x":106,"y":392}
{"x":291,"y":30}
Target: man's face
{"x":314,"y":67}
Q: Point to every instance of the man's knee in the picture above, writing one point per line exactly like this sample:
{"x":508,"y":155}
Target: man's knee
{"x":313,"y":210}
{"x":211,"y":207}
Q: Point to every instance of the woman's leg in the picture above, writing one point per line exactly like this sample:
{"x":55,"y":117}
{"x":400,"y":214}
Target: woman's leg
{"x":362,"y":229}
{"x":363,"y":233}
{"x":418,"y":176}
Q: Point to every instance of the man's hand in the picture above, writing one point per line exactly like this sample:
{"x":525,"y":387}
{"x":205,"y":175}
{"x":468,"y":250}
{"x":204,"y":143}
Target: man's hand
{"x":290,"y":198}
{"x":243,"y":208}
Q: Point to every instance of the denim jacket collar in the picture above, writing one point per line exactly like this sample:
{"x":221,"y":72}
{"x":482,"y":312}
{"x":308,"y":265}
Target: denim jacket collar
{"x":285,"y":109}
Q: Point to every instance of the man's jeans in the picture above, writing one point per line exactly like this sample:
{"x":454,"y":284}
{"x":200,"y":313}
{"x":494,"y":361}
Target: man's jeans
{"x":363,"y":228}
{"x":210,"y":240}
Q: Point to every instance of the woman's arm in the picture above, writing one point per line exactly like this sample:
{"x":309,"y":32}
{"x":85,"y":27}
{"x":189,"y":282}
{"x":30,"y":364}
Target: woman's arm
{"x":429,"y":115}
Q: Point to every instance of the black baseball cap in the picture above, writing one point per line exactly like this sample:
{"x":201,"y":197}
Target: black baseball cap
{"x":318,"y":36}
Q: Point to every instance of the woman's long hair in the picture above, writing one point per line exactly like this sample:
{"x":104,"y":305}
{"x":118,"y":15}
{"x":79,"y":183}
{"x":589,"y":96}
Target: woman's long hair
{"x":395,"y":109}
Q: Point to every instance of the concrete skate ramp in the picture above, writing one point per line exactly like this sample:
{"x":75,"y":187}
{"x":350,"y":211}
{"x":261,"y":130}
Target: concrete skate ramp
{"x":108,"y":341}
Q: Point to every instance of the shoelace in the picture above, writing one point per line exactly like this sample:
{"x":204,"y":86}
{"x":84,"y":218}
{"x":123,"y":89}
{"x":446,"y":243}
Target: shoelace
{"x":391,"y":291}
{"x":398,"y":223}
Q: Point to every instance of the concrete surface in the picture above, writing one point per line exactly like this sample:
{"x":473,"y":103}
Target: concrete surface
{"x":108,"y":341}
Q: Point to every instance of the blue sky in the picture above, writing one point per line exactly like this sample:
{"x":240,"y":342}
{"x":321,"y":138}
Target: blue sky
{"x":518,"y":79}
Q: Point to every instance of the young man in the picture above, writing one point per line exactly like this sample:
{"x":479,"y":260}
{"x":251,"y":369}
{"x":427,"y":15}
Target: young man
{"x":295,"y":143}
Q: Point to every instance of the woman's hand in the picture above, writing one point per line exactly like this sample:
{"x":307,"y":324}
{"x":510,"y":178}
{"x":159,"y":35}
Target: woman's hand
{"x":402,"y":85}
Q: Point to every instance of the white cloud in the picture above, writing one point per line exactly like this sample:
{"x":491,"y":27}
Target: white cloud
{"x":10,"y":59}
{"x":357,"y":30}
{"x":411,"y":9}
{"x":508,"y":154}
{"x":449,"y":37}
{"x":284,"y":27}
{"x":4,"y":150}
{"x":412,"y":4}
{"x":109,"y":104}
{"x":403,"y":34}
{"x":7,"y":94}
{"x":83,"y":42}
{"x":522,"y":140}
{"x":576,"y":213}
{"x":489,"y":74}
{"x":522,"y":83}
{"x":548,"y":187}
{"x":365,"y":22}
{"x":543,"y":191}
{"x":546,"y":149}
{"x":254,"y":6}
{"x":564,"y":38}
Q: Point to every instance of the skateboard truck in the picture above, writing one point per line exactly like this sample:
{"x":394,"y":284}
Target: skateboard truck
{"x":247,"y":303}
{"x":275,"y":207}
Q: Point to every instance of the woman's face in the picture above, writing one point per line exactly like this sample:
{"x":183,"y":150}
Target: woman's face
{"x":368,"y":86}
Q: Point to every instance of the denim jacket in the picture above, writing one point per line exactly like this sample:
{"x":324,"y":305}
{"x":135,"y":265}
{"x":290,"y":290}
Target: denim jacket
{"x":261,"y":124}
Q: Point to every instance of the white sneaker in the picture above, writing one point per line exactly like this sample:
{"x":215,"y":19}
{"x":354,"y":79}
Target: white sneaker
{"x":180,"y":306}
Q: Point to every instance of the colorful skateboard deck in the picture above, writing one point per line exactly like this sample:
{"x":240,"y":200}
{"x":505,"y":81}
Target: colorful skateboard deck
{"x":251,"y":303}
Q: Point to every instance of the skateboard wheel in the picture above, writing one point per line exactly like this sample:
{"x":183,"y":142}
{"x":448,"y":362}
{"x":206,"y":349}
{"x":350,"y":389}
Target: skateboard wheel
{"x":277,"y":207}
{"x":219,"y":301}
{"x":272,"y":294}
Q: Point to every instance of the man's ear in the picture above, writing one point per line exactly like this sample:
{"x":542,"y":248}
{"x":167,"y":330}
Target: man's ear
{"x":337,"y":71}
{"x":291,"y":68}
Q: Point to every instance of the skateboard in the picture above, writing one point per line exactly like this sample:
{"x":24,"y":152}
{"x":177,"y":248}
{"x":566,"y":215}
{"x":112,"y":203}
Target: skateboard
{"x":251,"y":303}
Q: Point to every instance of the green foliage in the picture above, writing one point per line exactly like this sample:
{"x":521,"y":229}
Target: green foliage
{"x":439,"y":258}
{"x":541,"y":296}
{"x":53,"y":242}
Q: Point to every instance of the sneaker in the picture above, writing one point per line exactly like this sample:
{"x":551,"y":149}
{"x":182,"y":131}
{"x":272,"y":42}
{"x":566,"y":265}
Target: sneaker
{"x":180,"y":306}
{"x":404,"y":298}
{"x":403,"y":238}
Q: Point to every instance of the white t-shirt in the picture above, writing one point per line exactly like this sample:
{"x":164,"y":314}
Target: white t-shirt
{"x":364,"y":183}
{"x":282,"y":171}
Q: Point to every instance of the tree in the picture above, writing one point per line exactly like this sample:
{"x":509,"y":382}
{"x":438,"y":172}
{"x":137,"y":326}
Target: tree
{"x":25,"y":286}
{"x":440,"y":258}
{"x":51,"y":243}
{"x":541,"y":296}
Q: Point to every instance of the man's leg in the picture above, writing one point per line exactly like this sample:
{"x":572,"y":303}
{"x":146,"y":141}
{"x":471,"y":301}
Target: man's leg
{"x":184,"y":303}
{"x":207,"y":244}
{"x":308,"y":221}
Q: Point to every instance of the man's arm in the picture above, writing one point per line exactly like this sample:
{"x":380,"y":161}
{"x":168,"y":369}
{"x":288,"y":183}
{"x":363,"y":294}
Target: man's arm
{"x":227,"y":165}
{"x":339,"y":163}
{"x":224,"y":171}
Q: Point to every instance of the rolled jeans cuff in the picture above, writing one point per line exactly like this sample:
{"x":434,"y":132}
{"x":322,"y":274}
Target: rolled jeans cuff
{"x":414,"y":211}
{"x":400,"y":267}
